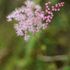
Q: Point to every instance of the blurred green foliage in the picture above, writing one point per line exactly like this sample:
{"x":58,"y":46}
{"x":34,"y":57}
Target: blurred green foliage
{"x":16,"y":54}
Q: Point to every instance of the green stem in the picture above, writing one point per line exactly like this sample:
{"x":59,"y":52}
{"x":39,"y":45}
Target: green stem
{"x":31,"y":51}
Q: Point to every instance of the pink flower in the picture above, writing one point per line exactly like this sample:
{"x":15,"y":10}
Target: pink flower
{"x":58,"y":6}
{"x":31,"y":18}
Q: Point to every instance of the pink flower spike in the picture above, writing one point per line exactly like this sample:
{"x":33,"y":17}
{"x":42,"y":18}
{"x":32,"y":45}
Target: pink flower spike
{"x":57,"y":7}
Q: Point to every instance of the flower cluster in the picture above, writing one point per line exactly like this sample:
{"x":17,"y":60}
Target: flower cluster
{"x":31,"y":18}
{"x":57,"y":6}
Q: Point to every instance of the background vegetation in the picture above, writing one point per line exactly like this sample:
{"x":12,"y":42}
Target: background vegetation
{"x":49,"y":50}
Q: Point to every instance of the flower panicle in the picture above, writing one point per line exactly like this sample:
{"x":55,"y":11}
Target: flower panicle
{"x":32,"y":19}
